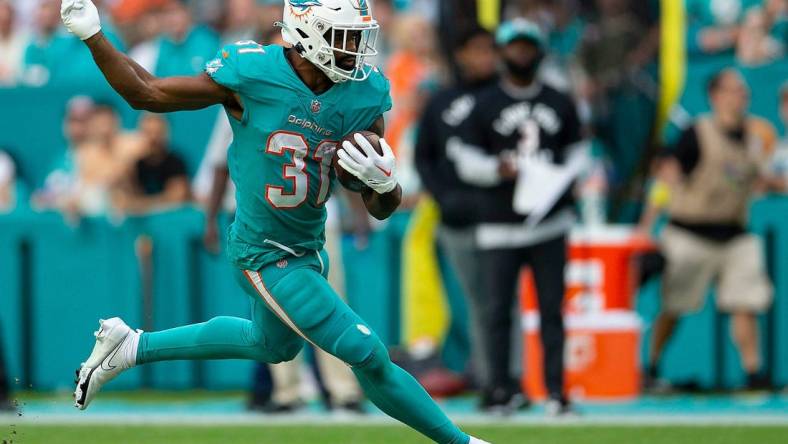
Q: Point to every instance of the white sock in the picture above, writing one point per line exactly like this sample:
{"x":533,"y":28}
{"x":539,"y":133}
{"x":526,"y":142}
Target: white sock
{"x":129,"y":348}
{"x":477,"y":441}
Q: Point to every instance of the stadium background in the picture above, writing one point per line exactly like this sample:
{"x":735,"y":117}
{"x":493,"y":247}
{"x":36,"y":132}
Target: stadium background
{"x":57,"y":278}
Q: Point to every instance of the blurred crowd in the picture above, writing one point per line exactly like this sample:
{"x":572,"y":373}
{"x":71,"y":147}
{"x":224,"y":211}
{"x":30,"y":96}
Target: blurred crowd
{"x":603,"y":54}
{"x":106,"y":171}
{"x":587,"y":44}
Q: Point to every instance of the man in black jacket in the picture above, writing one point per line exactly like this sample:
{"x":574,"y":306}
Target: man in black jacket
{"x":443,"y":115}
{"x":518,"y":121}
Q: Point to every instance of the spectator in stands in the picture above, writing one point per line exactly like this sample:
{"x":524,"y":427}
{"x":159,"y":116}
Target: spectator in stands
{"x":441,"y":120}
{"x":140,"y":22}
{"x":184,"y":47}
{"x":99,"y":166}
{"x":142,"y":26}
{"x":615,"y":45}
{"x":24,"y":11}
{"x":59,"y":182}
{"x":713,"y":26}
{"x":54,"y":56}
{"x":124,"y":147}
{"x":37,"y":57}
{"x":98,"y":157}
{"x":561,"y":21}
{"x":617,"y":81}
{"x":241,"y":20}
{"x":158,"y":179}
{"x":755,"y":44}
{"x":270,"y":12}
{"x":519,"y":123}
{"x":455,"y":15}
{"x":108,"y":25}
{"x":76,"y":127}
{"x":12,"y":45}
{"x":7,"y":183}
{"x":712,"y":174}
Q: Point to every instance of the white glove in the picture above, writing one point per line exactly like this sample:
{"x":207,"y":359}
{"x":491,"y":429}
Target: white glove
{"x":378,"y":172}
{"x":80,"y":17}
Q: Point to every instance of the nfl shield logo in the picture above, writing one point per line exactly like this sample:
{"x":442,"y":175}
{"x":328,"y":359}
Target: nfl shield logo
{"x":282,"y":263}
{"x":316,"y":106}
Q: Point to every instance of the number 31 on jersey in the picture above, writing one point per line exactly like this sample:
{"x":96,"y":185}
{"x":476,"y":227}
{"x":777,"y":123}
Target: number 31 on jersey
{"x":295,"y":172}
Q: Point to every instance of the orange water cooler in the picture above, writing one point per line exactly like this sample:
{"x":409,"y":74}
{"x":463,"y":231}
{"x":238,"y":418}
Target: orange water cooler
{"x":601,"y":352}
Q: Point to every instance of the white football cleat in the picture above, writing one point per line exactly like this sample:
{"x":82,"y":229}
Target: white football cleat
{"x":477,"y":441}
{"x":115,"y":351}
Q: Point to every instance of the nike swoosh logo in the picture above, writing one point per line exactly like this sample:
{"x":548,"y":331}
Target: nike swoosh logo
{"x":387,"y":173}
{"x":108,"y":361}
{"x":334,"y":9}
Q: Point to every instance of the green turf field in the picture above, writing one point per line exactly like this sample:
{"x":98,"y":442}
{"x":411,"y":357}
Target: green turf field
{"x":29,"y":434}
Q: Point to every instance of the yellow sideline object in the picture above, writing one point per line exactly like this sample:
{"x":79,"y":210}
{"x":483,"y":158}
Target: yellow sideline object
{"x":659,"y":195}
{"x":672,"y":59}
{"x":489,"y":12}
{"x":425,"y":315}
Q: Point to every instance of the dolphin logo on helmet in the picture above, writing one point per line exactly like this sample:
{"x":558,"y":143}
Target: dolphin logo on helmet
{"x":305,"y":4}
{"x":303,"y":7}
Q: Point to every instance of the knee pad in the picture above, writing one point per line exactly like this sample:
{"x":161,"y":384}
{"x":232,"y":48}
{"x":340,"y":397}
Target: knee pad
{"x":370,"y":358}
{"x":357,"y":345}
{"x":377,"y":364}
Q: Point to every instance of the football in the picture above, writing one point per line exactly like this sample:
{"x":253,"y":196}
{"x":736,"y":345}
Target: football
{"x":348,"y":180}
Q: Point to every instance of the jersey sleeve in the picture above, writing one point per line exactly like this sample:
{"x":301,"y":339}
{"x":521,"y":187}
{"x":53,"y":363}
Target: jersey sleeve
{"x":381,"y":89}
{"x":223,"y":69}
{"x":240,"y":67}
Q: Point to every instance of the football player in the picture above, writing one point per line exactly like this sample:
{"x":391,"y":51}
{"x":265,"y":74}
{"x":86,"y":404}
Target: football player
{"x":288,"y":107}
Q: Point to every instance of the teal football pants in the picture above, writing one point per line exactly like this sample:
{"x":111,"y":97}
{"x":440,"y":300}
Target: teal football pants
{"x":292,"y":302}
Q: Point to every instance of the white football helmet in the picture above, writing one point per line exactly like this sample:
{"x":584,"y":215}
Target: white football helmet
{"x":319,"y":28}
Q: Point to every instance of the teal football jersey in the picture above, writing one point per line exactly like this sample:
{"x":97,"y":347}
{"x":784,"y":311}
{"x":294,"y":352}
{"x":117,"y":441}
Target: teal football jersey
{"x":280,"y":158}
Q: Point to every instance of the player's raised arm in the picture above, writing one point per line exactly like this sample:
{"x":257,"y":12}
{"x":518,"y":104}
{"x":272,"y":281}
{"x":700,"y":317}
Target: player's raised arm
{"x":137,"y":86}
